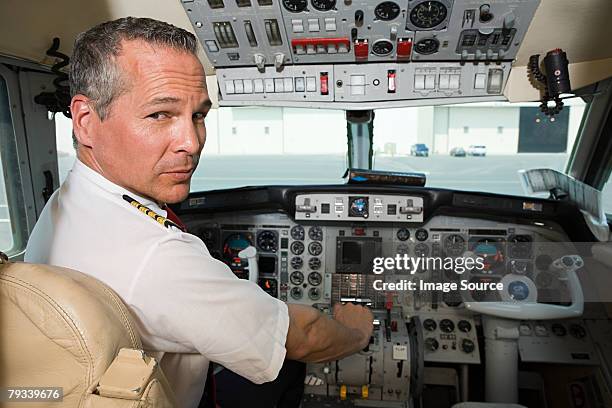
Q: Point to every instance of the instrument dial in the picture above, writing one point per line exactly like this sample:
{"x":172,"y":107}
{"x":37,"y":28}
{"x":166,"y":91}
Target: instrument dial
{"x":387,"y":11}
{"x":297,"y":233}
{"x":429,"y":324}
{"x":421,"y":234}
{"x":559,"y":330}
{"x":315,"y":233}
{"x":402,"y":249}
{"x":296,"y":293}
{"x":267,"y":241}
{"x":428,"y":14}
{"x":315,"y":278}
{"x":464,"y":326}
{"x":296,"y":277}
{"x":297,"y":248}
{"x":427,"y":46}
{"x":295,"y":6}
{"x":447,"y":325}
{"x":323,"y":5}
{"x":314,"y":294}
{"x":382,"y":48}
{"x":577,"y":331}
{"x":421,"y":249}
{"x":297,"y":262}
{"x":315,"y":248}
{"x":519,"y":246}
{"x":454,"y":245}
{"x":403,"y":234}
{"x":314,"y":263}
{"x":467,"y":346}
{"x":431,"y":344}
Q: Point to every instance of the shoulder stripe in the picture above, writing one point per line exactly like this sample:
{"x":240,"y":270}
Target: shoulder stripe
{"x":152,"y":214}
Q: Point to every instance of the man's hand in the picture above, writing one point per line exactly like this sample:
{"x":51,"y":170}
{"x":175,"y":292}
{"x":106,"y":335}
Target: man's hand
{"x":356,"y":317}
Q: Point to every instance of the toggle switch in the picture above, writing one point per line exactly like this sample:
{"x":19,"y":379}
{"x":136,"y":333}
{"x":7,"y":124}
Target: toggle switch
{"x":324,"y":78}
{"x":391,"y":78}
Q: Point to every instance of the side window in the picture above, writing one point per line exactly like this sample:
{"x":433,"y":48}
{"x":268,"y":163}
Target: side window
{"x":606,"y":193}
{"x":13,"y":224}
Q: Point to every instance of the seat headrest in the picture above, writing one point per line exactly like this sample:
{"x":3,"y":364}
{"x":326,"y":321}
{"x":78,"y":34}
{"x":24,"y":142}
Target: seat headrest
{"x":59,"y":327}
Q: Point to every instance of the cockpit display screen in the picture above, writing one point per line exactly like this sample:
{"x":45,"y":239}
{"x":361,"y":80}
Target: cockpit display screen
{"x":356,"y":254}
{"x":267,"y":264}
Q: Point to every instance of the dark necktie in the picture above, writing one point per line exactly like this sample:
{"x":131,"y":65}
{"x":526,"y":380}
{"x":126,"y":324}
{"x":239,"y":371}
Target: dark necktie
{"x":174,"y":218}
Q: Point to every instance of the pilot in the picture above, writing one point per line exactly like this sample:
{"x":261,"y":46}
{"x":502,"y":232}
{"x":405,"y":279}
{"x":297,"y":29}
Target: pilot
{"x":139,"y":103}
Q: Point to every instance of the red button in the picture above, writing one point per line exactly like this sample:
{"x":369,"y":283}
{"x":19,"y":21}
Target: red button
{"x":324,"y":83}
{"x":361,"y":49}
{"x":359,"y":231}
{"x":404,"y":47}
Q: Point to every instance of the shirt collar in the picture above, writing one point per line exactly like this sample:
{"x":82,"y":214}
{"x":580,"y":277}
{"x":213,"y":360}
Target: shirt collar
{"x":80,"y":169}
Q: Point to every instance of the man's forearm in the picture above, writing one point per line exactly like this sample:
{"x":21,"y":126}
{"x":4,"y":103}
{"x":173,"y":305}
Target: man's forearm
{"x":315,"y":337}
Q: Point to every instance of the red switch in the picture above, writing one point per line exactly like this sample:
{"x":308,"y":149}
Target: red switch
{"x":404,"y":47}
{"x":393,"y":325}
{"x":359,"y":231}
{"x":361,"y":49}
{"x":391,"y":86}
{"x":324,"y":83}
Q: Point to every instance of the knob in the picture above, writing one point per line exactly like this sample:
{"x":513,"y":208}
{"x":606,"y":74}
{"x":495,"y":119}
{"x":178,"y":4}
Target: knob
{"x":260,"y":61}
{"x":485,"y":13}
{"x":467,"y":346}
{"x":431,"y":344}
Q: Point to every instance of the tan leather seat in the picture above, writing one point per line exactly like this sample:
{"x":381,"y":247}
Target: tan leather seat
{"x":62,"y":328}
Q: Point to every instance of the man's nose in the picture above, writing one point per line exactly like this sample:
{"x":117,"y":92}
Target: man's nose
{"x":188,"y":138}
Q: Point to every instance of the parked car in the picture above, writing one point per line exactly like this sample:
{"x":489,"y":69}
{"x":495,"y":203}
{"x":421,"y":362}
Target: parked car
{"x":419,"y":149}
{"x":477,"y":150}
{"x":457,"y":152}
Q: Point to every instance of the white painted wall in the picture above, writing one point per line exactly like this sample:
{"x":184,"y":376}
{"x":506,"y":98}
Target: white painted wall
{"x":482,"y":125}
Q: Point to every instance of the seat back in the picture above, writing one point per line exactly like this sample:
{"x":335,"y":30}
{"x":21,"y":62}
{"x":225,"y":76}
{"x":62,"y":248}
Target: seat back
{"x":62,"y":328}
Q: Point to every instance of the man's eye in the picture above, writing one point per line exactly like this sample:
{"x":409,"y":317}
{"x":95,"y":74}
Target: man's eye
{"x":158,"y":115}
{"x":199,"y":116}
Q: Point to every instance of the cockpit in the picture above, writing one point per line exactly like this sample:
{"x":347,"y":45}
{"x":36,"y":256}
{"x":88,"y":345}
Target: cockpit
{"x":444,"y":163}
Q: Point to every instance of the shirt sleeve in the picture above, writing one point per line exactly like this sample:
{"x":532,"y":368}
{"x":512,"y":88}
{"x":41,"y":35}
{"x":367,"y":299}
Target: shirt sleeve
{"x":186,"y":297}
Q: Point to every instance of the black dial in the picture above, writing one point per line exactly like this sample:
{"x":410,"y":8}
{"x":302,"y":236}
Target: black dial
{"x":519,"y":246}
{"x":402,"y":249}
{"x":403,"y":234}
{"x":315,"y":278}
{"x":297,"y":278}
{"x":429,"y":324}
{"x":467,"y":346}
{"x":382,"y":48}
{"x":428,"y":14}
{"x":314,"y":294}
{"x":421,"y":234}
{"x":577,"y":331}
{"x":447,"y":325}
{"x":315,"y":233}
{"x":315,"y":248}
{"x":297,"y":248}
{"x":431,"y":344}
{"x":427,"y":46}
{"x":421,"y":249}
{"x":323,"y":5}
{"x":358,"y":207}
{"x":295,"y":6}
{"x":267,"y":241}
{"x":314,"y":263}
{"x":454,"y":245}
{"x":297,"y":262}
{"x":296,"y":293}
{"x":387,"y":11}
{"x":297,"y":233}
{"x":559,"y":330}
{"x":464,"y":326}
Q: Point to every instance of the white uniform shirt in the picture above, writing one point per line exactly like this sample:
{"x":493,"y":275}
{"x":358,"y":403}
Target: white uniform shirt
{"x":189,"y":307}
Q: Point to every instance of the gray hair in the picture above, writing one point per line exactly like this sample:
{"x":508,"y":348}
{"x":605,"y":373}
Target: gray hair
{"x":93,"y":69}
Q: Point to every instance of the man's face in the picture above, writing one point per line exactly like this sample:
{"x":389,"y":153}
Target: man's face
{"x":151,"y":140}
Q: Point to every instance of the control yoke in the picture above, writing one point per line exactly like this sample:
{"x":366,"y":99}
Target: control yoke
{"x":250,"y":254}
{"x":566,"y":268}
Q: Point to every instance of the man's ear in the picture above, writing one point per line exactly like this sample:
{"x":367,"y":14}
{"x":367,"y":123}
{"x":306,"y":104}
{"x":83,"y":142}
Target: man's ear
{"x":83,"y":119}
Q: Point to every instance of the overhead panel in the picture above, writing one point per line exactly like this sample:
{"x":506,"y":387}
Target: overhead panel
{"x":329,"y":53}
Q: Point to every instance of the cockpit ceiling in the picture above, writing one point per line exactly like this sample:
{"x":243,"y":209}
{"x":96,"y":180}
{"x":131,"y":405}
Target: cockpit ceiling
{"x":579,"y":28}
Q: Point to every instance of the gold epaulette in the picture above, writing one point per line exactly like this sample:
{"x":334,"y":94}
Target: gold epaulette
{"x":152,"y":214}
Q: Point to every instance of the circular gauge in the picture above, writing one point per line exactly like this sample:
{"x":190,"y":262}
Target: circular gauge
{"x":421,"y":234}
{"x":297,"y":233}
{"x":315,"y":233}
{"x":403,"y":234}
{"x":577,"y":331}
{"x":382,"y":48}
{"x":296,"y":293}
{"x":314,"y":294}
{"x":427,"y":46}
{"x":387,"y":11}
{"x":447,"y":325}
{"x":428,"y":14}
{"x":323,"y":5}
{"x":296,"y":277}
{"x":358,"y":207}
{"x":314,"y":263}
{"x":519,"y":267}
{"x":295,"y":6}
{"x":464,"y":326}
{"x":491,"y":250}
{"x":402,"y":249}
{"x":431,"y":344}
{"x":429,"y":324}
{"x":421,"y":249}
{"x":315,"y":248}
{"x":297,"y":262}
{"x":297,"y":248}
{"x":452,"y":299}
{"x":454,"y":245}
{"x":559,"y":330}
{"x":315,"y":278}
{"x":467,"y":346}
{"x":233,"y":245}
{"x":519,"y":246}
{"x":267,"y":241}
